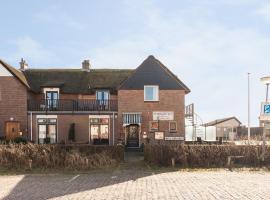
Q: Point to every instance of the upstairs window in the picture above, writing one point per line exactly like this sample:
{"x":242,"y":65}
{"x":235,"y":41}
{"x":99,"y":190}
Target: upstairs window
{"x":151,"y":93}
{"x":102,"y":95}
{"x":51,"y":97}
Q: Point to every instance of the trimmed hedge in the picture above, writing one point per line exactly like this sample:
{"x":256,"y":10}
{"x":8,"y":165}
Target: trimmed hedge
{"x":205,"y":155}
{"x":77,"y":157}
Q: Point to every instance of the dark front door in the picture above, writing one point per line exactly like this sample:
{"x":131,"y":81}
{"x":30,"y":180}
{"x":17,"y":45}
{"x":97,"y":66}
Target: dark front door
{"x":133,"y":136}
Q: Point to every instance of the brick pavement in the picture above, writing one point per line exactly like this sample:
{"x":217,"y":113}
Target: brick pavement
{"x":138,"y":184}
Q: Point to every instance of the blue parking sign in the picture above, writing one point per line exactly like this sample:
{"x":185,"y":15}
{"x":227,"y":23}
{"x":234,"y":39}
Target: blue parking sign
{"x":267,"y":109}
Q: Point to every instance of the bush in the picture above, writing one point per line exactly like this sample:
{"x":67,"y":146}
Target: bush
{"x":71,"y":133}
{"x":205,"y":155}
{"x":74,"y":157}
{"x":19,"y":140}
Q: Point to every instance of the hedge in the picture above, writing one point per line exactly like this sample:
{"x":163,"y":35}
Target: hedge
{"x":77,"y":157}
{"x":205,"y":155}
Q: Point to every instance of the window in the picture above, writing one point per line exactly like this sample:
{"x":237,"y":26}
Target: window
{"x":47,"y":131}
{"x":151,"y":93}
{"x":99,"y":128}
{"x":102,"y":95}
{"x":52,"y":98}
{"x":173,"y":126}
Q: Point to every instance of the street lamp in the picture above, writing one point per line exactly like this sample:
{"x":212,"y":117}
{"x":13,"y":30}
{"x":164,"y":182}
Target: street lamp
{"x":266,"y":81}
{"x":248,"y":108}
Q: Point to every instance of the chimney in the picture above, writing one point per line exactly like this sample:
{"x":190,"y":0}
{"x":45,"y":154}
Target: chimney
{"x":23,"y":65}
{"x":86,"y":65}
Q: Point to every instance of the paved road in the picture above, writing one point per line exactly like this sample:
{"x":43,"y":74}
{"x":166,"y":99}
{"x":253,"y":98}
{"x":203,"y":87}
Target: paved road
{"x":138,"y":184}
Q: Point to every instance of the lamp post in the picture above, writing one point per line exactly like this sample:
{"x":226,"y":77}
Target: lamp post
{"x":248,"y":108}
{"x":266,"y":81}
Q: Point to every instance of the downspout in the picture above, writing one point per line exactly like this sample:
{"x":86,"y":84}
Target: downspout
{"x":113,"y":128}
{"x":31,"y":122}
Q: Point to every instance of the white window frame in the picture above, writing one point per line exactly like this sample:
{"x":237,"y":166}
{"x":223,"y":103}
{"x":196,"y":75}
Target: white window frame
{"x":157,"y":93}
{"x":45,"y":90}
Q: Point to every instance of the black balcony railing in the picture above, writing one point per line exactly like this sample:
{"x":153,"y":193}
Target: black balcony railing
{"x":72,"y":105}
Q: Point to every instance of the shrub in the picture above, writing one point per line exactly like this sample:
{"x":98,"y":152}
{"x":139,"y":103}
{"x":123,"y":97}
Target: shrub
{"x":59,"y":156}
{"x":205,"y":155}
{"x":20,"y":140}
{"x":71,"y":133}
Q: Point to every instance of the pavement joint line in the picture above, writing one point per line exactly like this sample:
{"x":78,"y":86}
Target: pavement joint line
{"x":72,"y":179}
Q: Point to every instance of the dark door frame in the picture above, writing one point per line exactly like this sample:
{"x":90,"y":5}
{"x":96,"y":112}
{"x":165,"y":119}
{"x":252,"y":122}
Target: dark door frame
{"x":127,"y":135}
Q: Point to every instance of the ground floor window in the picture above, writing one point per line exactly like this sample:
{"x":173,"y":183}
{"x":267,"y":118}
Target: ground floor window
{"x":99,"y":130}
{"x":47,"y":131}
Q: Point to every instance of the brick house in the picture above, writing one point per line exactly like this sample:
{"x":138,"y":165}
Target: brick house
{"x":100,"y":106}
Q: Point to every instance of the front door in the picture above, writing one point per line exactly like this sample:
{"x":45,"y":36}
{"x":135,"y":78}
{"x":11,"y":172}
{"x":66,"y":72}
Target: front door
{"x":133,"y":135}
{"x":12,"y":130}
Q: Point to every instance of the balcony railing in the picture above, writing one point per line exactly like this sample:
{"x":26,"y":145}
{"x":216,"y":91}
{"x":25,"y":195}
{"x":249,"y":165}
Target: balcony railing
{"x":72,"y":105}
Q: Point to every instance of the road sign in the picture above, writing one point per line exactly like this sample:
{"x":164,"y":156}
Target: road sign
{"x":265,"y":108}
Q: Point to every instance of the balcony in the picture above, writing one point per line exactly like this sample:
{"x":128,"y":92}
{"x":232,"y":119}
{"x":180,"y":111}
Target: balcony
{"x":72,"y":105}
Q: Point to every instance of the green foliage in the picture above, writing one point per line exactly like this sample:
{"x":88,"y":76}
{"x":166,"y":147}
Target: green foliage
{"x":19,"y":140}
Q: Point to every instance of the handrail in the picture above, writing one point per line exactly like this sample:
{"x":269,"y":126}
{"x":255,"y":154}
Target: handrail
{"x":71,"y":105}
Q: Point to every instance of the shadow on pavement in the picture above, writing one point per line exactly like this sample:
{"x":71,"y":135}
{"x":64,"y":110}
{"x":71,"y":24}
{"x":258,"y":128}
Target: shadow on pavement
{"x":52,"y":186}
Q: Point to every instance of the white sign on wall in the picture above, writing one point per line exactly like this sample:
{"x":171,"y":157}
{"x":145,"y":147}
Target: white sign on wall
{"x":159,"y":135}
{"x":174,"y":138}
{"x":163,"y":115}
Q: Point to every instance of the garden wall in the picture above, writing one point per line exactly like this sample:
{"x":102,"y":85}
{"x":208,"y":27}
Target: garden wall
{"x":205,"y":155}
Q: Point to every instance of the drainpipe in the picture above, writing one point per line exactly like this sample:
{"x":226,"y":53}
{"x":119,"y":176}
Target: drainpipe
{"x":113,"y":127}
{"x":31,"y":122}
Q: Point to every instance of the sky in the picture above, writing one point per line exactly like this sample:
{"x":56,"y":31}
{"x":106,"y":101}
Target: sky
{"x":210,"y":45}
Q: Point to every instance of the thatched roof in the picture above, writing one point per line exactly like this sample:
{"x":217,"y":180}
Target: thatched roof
{"x":76,"y":80}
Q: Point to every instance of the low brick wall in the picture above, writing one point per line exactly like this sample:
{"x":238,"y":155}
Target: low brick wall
{"x":78,"y":157}
{"x":205,"y":155}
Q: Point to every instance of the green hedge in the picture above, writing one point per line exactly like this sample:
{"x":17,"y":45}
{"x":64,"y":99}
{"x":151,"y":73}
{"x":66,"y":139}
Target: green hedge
{"x":205,"y":155}
{"x":79,"y":157}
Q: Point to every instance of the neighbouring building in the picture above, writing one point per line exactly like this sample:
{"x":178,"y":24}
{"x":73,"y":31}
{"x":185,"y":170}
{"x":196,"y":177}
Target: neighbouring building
{"x":226,"y":128}
{"x":97,"y":106}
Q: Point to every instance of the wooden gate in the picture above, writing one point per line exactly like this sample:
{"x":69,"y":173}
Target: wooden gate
{"x":12,"y":130}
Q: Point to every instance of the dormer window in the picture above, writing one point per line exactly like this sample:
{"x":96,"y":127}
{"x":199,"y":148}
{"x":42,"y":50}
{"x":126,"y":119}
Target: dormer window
{"x":103,"y":95}
{"x":51,"y":97}
{"x":151,"y":93}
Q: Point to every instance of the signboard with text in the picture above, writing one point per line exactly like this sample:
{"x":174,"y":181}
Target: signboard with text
{"x":174,"y":138}
{"x":163,"y":115}
{"x":159,"y":135}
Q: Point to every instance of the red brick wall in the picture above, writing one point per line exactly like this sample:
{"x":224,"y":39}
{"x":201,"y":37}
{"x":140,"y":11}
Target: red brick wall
{"x":169,"y":100}
{"x":63,"y":124}
{"x":13,"y":103}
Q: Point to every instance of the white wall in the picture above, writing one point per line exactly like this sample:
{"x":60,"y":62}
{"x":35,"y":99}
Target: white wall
{"x":4,"y":71}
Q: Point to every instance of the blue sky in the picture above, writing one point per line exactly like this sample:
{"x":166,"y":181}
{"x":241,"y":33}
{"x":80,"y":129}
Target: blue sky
{"x":210,"y":45}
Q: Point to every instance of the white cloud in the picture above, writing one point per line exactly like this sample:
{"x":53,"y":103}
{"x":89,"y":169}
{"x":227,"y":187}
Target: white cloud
{"x":56,"y":16}
{"x":31,"y":49}
{"x":264,"y":11}
{"x":212,"y":59}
